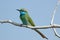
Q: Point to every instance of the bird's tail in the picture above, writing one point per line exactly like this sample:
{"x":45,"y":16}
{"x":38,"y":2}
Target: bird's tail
{"x":43,"y":36}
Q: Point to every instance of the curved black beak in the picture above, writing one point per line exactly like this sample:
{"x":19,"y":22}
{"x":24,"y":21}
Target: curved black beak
{"x":17,"y":9}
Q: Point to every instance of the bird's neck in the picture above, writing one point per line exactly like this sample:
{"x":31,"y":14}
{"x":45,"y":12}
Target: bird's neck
{"x":22,"y":13}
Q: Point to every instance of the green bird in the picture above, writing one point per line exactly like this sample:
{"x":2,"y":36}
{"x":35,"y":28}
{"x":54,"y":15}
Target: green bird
{"x":26,"y":20}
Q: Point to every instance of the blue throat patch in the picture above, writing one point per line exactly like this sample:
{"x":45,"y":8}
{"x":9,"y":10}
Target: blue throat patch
{"x":22,"y":13}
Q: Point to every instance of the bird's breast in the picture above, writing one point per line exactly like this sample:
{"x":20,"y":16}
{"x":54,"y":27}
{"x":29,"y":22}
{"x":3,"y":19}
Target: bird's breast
{"x":22,"y":14}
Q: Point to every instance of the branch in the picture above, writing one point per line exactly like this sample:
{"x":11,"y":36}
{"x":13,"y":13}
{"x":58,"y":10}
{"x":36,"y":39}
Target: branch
{"x":27,"y":26}
{"x":37,"y":27}
{"x":13,"y":23}
{"x":16,"y":24}
{"x":56,"y":33}
{"x":52,"y":21}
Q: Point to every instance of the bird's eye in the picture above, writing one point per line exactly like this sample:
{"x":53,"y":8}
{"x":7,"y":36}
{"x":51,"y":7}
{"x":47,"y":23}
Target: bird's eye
{"x":22,"y":11}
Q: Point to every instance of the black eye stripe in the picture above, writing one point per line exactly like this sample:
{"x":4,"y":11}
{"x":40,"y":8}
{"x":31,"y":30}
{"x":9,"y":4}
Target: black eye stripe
{"x":22,"y":10}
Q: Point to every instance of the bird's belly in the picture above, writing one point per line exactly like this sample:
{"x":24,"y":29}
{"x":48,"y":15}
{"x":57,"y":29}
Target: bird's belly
{"x":24,"y":20}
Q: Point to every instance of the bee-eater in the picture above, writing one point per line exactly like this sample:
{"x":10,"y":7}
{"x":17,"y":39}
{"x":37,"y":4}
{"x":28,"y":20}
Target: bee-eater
{"x":26,"y":20}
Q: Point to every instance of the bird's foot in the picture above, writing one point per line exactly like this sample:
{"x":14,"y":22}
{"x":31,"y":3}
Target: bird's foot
{"x":21,"y":24}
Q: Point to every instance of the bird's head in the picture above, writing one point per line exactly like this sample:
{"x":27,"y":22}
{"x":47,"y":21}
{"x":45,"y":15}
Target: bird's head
{"x":22,"y":11}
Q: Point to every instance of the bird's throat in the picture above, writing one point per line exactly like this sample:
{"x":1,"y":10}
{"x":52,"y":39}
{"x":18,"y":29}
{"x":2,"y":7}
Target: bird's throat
{"x":22,"y":13}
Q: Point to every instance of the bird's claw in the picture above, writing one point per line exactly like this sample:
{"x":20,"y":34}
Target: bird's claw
{"x":21,"y":24}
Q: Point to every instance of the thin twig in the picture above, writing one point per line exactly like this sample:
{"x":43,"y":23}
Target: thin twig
{"x":52,"y":21}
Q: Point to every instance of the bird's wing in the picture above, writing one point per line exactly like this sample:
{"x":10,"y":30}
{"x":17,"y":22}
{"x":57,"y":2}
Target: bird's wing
{"x":32,"y":23}
{"x":30,"y":20}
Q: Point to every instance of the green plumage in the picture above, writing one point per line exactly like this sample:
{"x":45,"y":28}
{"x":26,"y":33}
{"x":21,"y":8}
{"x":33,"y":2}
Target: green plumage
{"x":26,"y":20}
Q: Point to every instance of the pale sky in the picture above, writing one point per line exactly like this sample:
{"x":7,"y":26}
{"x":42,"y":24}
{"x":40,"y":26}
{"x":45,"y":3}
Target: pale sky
{"x":39,"y":10}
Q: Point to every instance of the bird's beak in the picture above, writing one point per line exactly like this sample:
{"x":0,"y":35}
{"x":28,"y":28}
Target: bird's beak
{"x":17,"y":9}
